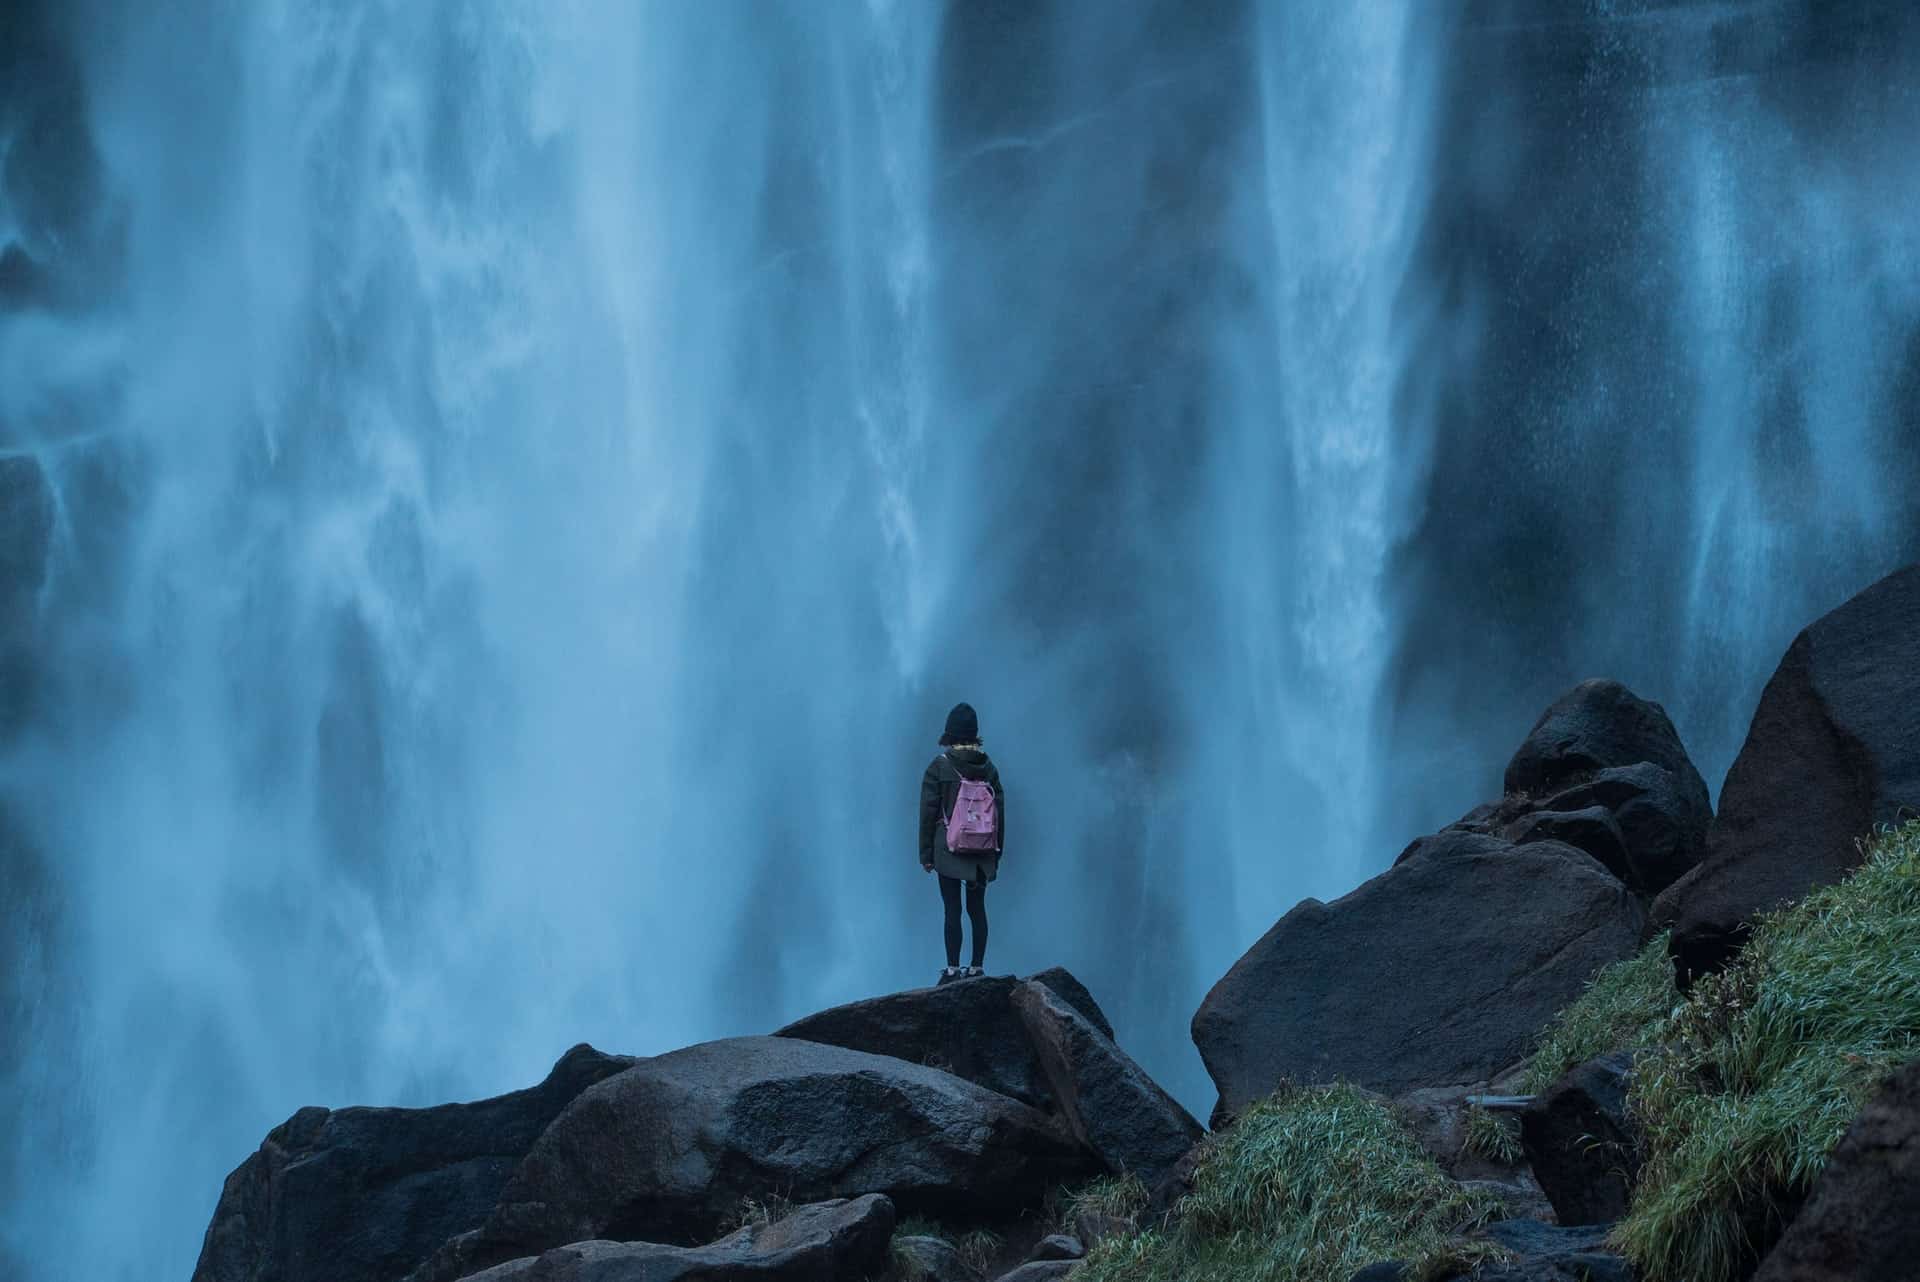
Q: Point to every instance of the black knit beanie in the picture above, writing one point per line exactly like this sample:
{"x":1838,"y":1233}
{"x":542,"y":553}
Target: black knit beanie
{"x":962,"y":726}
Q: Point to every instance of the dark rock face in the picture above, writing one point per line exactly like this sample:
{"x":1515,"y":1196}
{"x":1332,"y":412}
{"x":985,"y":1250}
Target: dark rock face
{"x":365,"y":1194}
{"x":1110,"y":1103}
{"x":1662,"y":822}
{"x":1580,"y":1140}
{"x":1833,"y":750}
{"x":664,"y":1150}
{"x":1862,"y":1221}
{"x":1441,"y":970}
{"x":1074,"y":993}
{"x":969,"y":1028}
{"x":1595,"y":726}
{"x":1591,"y":830}
{"x":818,"y":1243}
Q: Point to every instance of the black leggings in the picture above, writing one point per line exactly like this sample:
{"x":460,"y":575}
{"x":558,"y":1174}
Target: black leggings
{"x":976,"y":913}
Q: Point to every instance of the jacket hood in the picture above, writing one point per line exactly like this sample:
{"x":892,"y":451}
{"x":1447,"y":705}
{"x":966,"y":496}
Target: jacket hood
{"x":970,"y":759}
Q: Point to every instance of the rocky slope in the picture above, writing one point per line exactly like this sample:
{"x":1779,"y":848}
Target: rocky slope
{"x":858,"y":1142}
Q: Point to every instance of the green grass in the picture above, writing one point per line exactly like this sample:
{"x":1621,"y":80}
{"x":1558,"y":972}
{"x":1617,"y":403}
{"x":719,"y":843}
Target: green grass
{"x":1494,"y":1136}
{"x":1626,"y":1007}
{"x":1117,"y":1196}
{"x":1308,"y":1185}
{"x":1763,"y":1067}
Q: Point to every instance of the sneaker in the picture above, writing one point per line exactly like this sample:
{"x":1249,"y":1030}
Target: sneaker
{"x":948,"y":974}
{"x":973,"y":972}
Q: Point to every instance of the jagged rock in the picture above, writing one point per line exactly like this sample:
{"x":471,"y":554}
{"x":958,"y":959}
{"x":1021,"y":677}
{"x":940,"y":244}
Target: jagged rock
{"x":1075,"y":994}
{"x":1057,"y":1246}
{"x":933,"y":1259}
{"x":1833,"y":750}
{"x":1663,"y":823}
{"x":1862,"y":1220}
{"x":1520,"y":1197}
{"x":1594,"y":726}
{"x":365,"y":1194}
{"x":969,"y":1029}
{"x":1443,"y":969}
{"x":1581,"y":1141}
{"x":665,"y":1149}
{"x":1112,"y":1106}
{"x":817,"y":1243}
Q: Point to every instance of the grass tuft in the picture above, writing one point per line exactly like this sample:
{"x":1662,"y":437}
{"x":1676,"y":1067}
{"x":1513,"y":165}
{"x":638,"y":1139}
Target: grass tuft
{"x":1120,"y":1197}
{"x":1311,"y":1183}
{"x":1494,"y":1136}
{"x":1763,"y":1067}
{"x":1626,"y":1007}
{"x":978,"y":1249}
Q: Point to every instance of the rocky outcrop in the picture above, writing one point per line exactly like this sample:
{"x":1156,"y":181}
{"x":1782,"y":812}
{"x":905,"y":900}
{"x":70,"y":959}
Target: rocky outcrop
{"x":1577,"y":780}
{"x":1862,"y":1221}
{"x":365,"y":1194}
{"x":1443,"y":969}
{"x":1109,"y":1102}
{"x":969,"y":1029}
{"x":665,"y":1150}
{"x":1834,"y":749}
{"x":1595,"y":726}
{"x":817,"y":1243}
{"x":1581,"y":1142}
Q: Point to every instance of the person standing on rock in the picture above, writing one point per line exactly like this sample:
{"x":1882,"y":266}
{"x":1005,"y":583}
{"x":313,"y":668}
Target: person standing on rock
{"x":963,"y":825}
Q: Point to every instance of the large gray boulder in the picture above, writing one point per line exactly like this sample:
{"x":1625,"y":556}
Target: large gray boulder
{"x":968,"y":1028}
{"x":1834,"y":749}
{"x":1595,"y":726}
{"x":365,"y":1194}
{"x":1111,"y":1104}
{"x":667,"y":1149}
{"x":822,"y":1242}
{"x":1442,"y":969}
{"x":1582,"y":1143}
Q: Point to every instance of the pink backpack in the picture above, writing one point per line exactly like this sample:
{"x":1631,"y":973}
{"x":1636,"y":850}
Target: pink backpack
{"x":973,"y":827}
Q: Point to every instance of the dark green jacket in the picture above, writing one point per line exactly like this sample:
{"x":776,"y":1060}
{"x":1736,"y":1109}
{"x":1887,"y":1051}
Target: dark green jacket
{"x":939,"y":790}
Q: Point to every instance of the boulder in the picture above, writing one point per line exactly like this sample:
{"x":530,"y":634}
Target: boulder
{"x":1041,"y":1271}
{"x":665,"y":1150}
{"x":1109,"y":1102}
{"x":1663,"y":823}
{"x":1862,"y":1220}
{"x":1581,"y":1141}
{"x":1834,"y":749}
{"x":828,"y":1240}
{"x":1442,"y":969}
{"x":969,"y":1029}
{"x":1437,"y":1117}
{"x":365,"y":1194}
{"x":1594,"y":726}
{"x":932,"y":1259}
{"x":1592,"y":831}
{"x":1075,"y":994}
{"x":1057,"y":1246}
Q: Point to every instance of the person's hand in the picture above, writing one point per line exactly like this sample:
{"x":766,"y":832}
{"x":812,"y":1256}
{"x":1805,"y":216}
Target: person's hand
{"x":926,"y":867}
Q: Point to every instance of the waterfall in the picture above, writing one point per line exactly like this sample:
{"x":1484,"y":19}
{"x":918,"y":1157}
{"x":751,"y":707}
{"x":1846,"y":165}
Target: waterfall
{"x":498,"y":500}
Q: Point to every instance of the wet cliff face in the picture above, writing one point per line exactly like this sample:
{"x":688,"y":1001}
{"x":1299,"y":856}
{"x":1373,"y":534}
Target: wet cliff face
{"x":494,"y":512}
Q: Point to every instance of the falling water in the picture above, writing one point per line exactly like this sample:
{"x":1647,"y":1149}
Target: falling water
{"x":498,"y":499}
